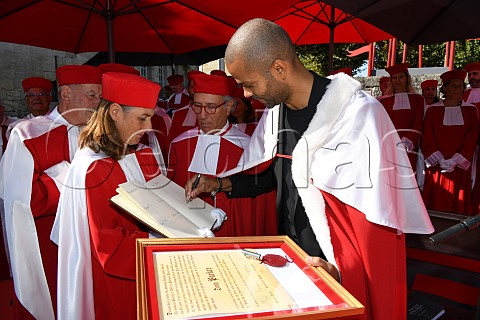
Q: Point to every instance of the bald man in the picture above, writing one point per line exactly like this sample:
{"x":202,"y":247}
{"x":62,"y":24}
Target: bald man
{"x":345,"y":191}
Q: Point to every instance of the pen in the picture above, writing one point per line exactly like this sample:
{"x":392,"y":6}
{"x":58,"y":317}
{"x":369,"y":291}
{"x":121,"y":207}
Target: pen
{"x":194,"y":186}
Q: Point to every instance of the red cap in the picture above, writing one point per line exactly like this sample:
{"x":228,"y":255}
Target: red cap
{"x":429,"y":83}
{"x":37,"y":82}
{"x":238,"y":90}
{"x":453,"y":74}
{"x":384,"y":79}
{"x":401,"y":67}
{"x":218,"y":73}
{"x":472,"y":66}
{"x":219,"y":85}
{"x":190,"y":73}
{"x":344,"y":70}
{"x":130,"y":90}
{"x":74,"y":74}
{"x":118,"y":67}
{"x":175,"y":79}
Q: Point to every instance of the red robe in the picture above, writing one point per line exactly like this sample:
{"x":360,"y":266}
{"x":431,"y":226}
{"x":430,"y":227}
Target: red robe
{"x":408,"y":122}
{"x":183,"y":120}
{"x":357,"y":190}
{"x":473,"y":96}
{"x":160,"y":127}
{"x":40,"y":144}
{"x":184,"y":101}
{"x":96,"y":241}
{"x":246,"y":217}
{"x":359,"y":247}
{"x":449,"y":191}
{"x":4,"y":264}
{"x":113,"y":235}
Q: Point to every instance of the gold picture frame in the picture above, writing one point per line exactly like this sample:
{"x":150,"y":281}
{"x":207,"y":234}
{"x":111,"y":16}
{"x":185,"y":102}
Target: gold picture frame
{"x":151,"y":281}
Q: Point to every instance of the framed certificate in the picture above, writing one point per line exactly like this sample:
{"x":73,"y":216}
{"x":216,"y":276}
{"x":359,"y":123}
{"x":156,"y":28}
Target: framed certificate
{"x":235,"y":278}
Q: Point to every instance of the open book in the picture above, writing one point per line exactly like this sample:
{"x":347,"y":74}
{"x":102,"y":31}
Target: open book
{"x":160,"y":204}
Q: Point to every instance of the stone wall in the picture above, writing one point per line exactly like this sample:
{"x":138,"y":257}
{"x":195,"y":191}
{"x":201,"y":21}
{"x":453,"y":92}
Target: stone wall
{"x":19,"y":62}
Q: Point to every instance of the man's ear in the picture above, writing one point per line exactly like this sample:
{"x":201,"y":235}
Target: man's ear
{"x":66,"y":93}
{"x":115,"y":111}
{"x":279,"y":69}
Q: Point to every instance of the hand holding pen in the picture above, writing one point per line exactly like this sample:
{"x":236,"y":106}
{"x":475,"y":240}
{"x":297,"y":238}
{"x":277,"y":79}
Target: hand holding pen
{"x":194,"y":186}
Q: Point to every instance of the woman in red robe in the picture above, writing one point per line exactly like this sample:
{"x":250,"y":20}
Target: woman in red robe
{"x":449,"y":141}
{"x":96,"y":240}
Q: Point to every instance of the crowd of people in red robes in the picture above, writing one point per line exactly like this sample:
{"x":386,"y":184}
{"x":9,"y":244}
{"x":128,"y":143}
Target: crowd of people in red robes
{"x":440,"y":134}
{"x":127,"y":134}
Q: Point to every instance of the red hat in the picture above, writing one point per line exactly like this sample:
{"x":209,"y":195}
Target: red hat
{"x":37,"y":82}
{"x":175,"y":79}
{"x":429,"y":83}
{"x":74,"y":74}
{"x":130,"y":90}
{"x":212,"y":84}
{"x":190,"y":73}
{"x":401,"y":67}
{"x":218,"y":73}
{"x":118,"y":67}
{"x":384,"y":79}
{"x":472,"y":66}
{"x":344,"y":70}
{"x":453,"y":74}
{"x":238,"y":90}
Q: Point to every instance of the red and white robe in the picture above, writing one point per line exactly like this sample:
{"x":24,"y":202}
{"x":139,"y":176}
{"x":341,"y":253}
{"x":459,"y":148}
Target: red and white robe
{"x":358,"y":190}
{"x":31,"y":171}
{"x":449,"y":132}
{"x":406,"y":112}
{"x":194,"y":152}
{"x":96,"y":240}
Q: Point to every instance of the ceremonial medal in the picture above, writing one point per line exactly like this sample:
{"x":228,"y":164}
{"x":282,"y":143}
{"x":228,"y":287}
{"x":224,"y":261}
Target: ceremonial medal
{"x":273,"y":260}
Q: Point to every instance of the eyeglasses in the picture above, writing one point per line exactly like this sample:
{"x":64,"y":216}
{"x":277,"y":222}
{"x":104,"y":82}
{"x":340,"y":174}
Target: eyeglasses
{"x":209,"y":108}
{"x":33,"y":94}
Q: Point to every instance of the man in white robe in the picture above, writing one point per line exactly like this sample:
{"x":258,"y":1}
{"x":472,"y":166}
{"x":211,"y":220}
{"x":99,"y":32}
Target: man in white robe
{"x":41,"y":149}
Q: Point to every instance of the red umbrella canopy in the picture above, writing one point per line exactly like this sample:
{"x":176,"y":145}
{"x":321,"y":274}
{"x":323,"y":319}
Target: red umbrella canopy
{"x":165,"y":26}
{"x":311,"y":22}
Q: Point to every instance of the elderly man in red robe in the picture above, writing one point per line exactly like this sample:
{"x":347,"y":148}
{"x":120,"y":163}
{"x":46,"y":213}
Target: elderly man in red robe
{"x":185,"y":118}
{"x":38,"y":97}
{"x":214,"y":147}
{"x":32,"y":169}
{"x":472,"y":94}
{"x":346,"y":190}
{"x":179,"y":97}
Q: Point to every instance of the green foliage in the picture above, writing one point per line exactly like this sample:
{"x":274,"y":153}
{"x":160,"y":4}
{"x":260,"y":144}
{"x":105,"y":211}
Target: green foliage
{"x":433,"y":55}
{"x":315,"y":57}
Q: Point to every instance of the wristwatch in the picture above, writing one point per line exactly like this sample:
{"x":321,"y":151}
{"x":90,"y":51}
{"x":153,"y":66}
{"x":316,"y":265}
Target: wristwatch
{"x":214,"y":193}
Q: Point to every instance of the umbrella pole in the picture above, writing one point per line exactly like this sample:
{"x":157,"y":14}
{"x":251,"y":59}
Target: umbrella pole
{"x":331,"y":25}
{"x":111,"y":47}
{"x":330,"y":51}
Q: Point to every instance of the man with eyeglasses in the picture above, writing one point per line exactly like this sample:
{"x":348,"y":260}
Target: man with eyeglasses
{"x":212,"y":148}
{"x":31,"y":173}
{"x":37,"y":97}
